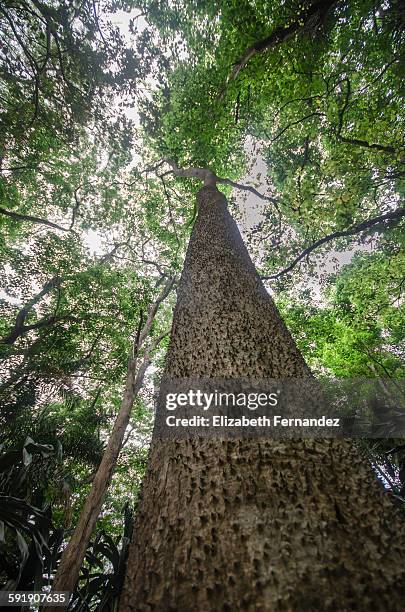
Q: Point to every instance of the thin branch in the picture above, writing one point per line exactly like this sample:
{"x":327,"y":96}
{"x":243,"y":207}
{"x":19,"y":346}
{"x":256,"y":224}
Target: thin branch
{"x":281,"y":34}
{"x":19,"y":326}
{"x":379,"y":75}
{"x":357,"y":141}
{"x":225,"y":181}
{"x":396,"y":214}
{"x":135,"y":347}
{"x":153,"y":310}
{"x":76,"y":207}
{"x":287,"y":127}
{"x":363,"y":143}
{"x":148,"y":262}
{"x":31,"y":219}
{"x":169,"y":206}
{"x":107,"y":258}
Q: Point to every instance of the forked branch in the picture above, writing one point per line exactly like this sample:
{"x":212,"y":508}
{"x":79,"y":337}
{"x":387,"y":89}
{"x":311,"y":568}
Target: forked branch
{"x":210,"y":178}
{"x":19,"y":328}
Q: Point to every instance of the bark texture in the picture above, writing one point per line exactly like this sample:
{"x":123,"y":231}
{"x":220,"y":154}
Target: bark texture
{"x":254,"y":524}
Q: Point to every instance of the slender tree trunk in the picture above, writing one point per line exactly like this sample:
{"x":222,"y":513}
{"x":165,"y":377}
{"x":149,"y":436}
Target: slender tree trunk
{"x":68,"y":570}
{"x":72,"y":558}
{"x":253,"y":524}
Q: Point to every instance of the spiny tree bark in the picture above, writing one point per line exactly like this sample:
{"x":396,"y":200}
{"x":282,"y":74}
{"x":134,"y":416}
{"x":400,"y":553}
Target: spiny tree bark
{"x":253,"y":524}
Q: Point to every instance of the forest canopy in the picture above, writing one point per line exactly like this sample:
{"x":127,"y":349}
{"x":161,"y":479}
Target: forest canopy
{"x":296,"y":108}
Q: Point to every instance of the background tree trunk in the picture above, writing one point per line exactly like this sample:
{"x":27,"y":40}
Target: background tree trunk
{"x":253,"y":524}
{"x":73,"y":555}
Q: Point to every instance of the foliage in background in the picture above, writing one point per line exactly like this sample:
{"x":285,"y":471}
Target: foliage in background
{"x":92,"y":220}
{"x":85,"y":243}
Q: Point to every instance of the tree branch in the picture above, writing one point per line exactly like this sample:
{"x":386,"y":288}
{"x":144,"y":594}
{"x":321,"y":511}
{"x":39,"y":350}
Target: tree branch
{"x":226,"y":181}
{"x":19,"y":328}
{"x":364,"y":143}
{"x":357,"y":141}
{"x":281,"y":34}
{"x":153,"y":310}
{"x":287,"y":127}
{"x":396,"y":214}
{"x":75,"y":208}
{"x":210,"y":178}
{"x":135,"y":348}
{"x":31,"y":219}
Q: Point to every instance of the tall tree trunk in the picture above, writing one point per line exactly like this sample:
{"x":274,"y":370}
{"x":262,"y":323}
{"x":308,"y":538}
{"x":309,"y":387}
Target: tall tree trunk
{"x":253,"y":524}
